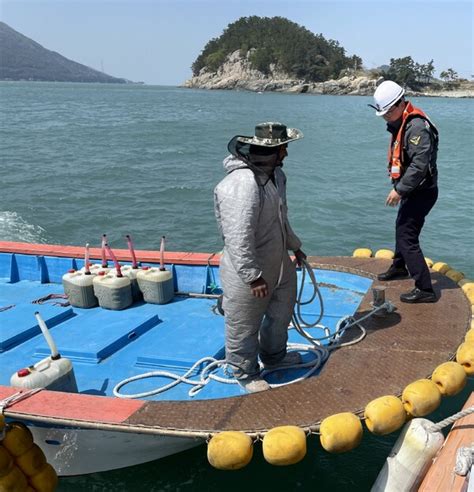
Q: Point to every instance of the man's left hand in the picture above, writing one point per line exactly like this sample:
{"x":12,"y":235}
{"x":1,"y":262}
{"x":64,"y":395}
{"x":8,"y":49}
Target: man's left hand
{"x":393,"y":199}
{"x":300,"y":256}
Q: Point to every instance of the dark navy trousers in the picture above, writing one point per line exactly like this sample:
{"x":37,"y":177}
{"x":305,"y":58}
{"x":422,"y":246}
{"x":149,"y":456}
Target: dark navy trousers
{"x":410,"y":219}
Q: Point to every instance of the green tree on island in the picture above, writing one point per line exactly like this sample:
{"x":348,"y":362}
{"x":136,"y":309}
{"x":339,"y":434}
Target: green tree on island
{"x":450,"y":77}
{"x":410,"y":74}
{"x":280,"y":43}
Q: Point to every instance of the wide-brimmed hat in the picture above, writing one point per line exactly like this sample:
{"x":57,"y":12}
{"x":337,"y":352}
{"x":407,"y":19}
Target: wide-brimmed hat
{"x":268,"y":134}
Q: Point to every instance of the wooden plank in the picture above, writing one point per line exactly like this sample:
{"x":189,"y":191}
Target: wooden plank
{"x":90,"y":408}
{"x":441,"y":476}
{"x":179,"y":258}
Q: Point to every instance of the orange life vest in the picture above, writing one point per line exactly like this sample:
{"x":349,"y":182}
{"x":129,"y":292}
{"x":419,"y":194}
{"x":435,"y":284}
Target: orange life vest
{"x":395,"y":148}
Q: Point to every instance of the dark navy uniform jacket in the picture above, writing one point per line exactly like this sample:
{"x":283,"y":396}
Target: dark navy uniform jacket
{"x":420,"y":151}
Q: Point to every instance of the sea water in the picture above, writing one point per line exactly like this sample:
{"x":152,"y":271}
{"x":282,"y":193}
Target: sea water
{"x":67,"y":150}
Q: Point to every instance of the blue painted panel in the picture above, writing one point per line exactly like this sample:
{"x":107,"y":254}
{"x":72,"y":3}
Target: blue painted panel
{"x":5,"y":265}
{"x":189,"y":332}
{"x":57,"y":267}
{"x":190,"y":278}
{"x":97,"y":334}
{"x":28,"y":268}
{"x":18,"y":324}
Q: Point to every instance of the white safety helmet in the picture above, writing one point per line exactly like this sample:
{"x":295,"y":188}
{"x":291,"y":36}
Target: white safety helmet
{"x":385,"y":96}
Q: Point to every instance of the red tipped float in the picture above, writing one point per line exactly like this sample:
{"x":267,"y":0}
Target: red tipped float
{"x":132,"y":251}
{"x":104,"y":258}
{"x":87,"y":270}
{"x":162,"y":254}
{"x":114,"y":259}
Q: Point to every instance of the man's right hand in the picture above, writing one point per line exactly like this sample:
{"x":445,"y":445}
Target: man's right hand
{"x":259,"y":287}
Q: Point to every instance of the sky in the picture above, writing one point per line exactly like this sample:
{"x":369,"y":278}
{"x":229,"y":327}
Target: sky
{"x":156,"y":41}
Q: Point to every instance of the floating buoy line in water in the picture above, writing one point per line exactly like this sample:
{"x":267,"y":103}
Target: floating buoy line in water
{"x":286,"y":445}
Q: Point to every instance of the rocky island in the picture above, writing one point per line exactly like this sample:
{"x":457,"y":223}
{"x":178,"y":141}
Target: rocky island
{"x":274,"y":54}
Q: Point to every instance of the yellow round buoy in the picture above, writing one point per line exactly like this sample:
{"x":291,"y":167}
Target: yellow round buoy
{"x":384,"y":253}
{"x":469,"y":292}
{"x":429,"y":262}
{"x":441,"y":267}
{"x":46,"y":480}
{"x":467,"y":286}
{"x":421,"y":397}
{"x":230,"y":450}
{"x":285,"y":445}
{"x":450,"y":378}
{"x":469,"y":337}
{"x":454,"y":275}
{"x":6,"y":462}
{"x":362,"y":253}
{"x":465,"y":357}
{"x":18,"y":439}
{"x":31,"y":462}
{"x":384,"y":415}
{"x":14,"y":481}
{"x":340,"y":432}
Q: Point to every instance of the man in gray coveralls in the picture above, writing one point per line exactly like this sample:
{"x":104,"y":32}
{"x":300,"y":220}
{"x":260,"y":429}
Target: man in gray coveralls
{"x":257,"y":274}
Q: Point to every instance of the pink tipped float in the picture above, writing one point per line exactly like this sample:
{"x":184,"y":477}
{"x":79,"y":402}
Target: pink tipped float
{"x":132,"y":251}
{"x":114,"y":259}
{"x":162,"y":254}
{"x":87,"y":270}
{"x":104,"y":242}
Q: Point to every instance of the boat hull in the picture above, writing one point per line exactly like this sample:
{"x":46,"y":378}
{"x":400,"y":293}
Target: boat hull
{"x":73,"y":451}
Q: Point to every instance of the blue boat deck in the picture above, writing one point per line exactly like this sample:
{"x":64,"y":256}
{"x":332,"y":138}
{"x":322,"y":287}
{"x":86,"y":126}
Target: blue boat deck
{"x":106,"y":346}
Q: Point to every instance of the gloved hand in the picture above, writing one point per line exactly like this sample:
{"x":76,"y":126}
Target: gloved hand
{"x":299,"y":256}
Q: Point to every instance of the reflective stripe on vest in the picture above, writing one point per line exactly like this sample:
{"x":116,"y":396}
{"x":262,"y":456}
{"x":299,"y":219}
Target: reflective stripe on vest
{"x":395,"y":148}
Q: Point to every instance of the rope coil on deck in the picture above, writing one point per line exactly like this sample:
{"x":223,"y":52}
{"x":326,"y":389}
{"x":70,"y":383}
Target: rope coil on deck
{"x":320,"y":352}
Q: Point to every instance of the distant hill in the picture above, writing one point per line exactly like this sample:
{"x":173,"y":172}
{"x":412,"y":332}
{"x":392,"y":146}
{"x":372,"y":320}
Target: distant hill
{"x":21,"y":58}
{"x":277,"y":44}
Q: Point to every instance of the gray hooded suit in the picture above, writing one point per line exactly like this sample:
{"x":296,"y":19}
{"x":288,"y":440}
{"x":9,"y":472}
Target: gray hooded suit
{"x":251,"y":213}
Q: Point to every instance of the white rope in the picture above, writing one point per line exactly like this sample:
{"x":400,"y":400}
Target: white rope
{"x":320,"y":352}
{"x":17,"y":397}
{"x":206,"y":374}
{"x":464,"y":460}
{"x":344,"y":323}
{"x":11,"y":400}
{"x":450,"y":420}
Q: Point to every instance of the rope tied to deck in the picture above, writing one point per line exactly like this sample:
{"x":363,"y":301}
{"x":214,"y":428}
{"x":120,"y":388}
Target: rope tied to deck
{"x":11,"y":400}
{"x":450,"y":420}
{"x":207,"y":374}
{"x":17,"y":397}
{"x":6,"y":308}
{"x":464,"y":460}
{"x":49,"y":297}
{"x":320,"y":352}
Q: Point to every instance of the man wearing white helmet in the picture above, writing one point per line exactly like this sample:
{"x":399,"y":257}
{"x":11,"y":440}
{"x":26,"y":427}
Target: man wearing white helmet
{"x":412,"y":167}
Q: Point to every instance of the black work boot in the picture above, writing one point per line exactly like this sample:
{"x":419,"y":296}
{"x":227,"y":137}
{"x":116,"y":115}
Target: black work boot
{"x":393,"y":274}
{"x":416,"y":296}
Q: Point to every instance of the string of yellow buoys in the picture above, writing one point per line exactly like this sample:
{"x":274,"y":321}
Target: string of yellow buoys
{"x":286,"y":445}
{"x":23,"y":466}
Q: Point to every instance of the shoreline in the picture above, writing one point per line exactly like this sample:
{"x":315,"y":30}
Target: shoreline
{"x":236,"y":73}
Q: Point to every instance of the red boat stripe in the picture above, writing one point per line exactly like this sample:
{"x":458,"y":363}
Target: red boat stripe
{"x":73,"y":406}
{"x":179,"y":258}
